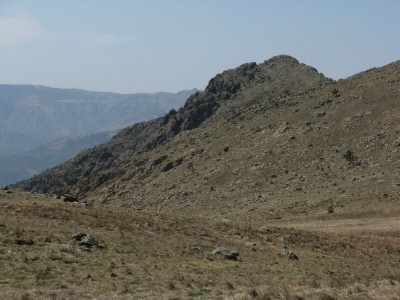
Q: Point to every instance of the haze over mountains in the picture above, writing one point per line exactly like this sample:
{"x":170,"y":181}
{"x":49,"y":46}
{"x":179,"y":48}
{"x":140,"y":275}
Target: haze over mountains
{"x":261,"y":138}
{"x":35,"y":118}
{"x":25,"y":165}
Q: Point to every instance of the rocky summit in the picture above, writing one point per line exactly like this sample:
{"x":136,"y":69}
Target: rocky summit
{"x":261,"y":141}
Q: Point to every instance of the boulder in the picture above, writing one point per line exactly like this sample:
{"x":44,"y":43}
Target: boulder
{"x":68,"y":198}
{"x":226,"y":253}
{"x":289,"y":254}
{"x":86,"y":240}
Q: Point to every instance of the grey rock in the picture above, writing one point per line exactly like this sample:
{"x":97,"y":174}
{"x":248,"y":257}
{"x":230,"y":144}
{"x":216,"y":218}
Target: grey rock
{"x":86,"y":240}
{"x":289,"y":254}
{"x":197,"y":248}
{"x":79,"y":236}
{"x":226,"y":253}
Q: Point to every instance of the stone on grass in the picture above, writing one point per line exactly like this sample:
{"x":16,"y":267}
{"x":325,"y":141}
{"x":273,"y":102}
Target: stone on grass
{"x":226,"y":253}
{"x":68,"y":198}
{"x":86,"y":240}
{"x":289,"y":254}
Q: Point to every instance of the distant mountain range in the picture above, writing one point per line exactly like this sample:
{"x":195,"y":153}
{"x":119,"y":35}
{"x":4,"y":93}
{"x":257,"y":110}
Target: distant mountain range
{"x":34,"y":115}
{"x":22,"y":166}
{"x":33,"y":119}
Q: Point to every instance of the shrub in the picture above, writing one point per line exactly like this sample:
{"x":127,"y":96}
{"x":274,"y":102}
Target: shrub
{"x":351,"y":158}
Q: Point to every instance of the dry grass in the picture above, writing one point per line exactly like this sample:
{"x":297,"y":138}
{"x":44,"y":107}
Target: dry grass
{"x":152,"y":256}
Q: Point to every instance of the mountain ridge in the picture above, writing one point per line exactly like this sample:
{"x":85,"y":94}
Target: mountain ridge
{"x":197,"y":109}
{"x":294,"y":144}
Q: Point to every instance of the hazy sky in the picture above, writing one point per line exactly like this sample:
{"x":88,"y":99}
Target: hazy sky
{"x":169,"y":45}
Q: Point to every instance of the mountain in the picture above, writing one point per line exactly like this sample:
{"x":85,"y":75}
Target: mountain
{"x":274,"y":171}
{"x":34,"y":115}
{"x":23,"y":166}
{"x":261,"y":141}
{"x":12,"y":141}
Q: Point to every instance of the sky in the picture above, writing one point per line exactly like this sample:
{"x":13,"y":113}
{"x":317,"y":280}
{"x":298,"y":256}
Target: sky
{"x":133,"y":46}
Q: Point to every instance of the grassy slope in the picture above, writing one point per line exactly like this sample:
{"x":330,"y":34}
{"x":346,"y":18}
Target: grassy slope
{"x":281,"y":160}
{"x":151,"y":256}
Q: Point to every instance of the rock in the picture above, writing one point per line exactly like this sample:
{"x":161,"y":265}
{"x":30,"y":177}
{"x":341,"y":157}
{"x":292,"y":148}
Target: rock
{"x":321,"y":114}
{"x":281,"y":130}
{"x":172,"y":164}
{"x":4,"y":188}
{"x":27,"y":242}
{"x":197,"y":248}
{"x":68,"y":198}
{"x":86,"y":240}
{"x":289,"y":254}
{"x":226,"y":253}
{"x":79,"y":236}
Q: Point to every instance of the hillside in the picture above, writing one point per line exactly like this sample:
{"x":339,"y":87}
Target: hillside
{"x":34,"y":115}
{"x":261,"y":141}
{"x":266,"y":79}
{"x":146,"y":255}
{"x":274,"y":183}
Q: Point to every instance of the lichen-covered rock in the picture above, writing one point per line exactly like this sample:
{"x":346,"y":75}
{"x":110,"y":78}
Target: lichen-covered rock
{"x":289,"y":254}
{"x":86,"y":240}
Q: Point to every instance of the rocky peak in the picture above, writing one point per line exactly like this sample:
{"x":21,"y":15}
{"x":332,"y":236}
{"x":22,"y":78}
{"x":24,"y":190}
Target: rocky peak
{"x":279,"y":74}
{"x":282,"y":59}
{"x":279,"y":71}
{"x":229,"y":82}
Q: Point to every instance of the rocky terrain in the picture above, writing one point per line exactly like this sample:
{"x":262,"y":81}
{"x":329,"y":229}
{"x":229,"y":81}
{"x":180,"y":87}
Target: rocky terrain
{"x":141,"y":138}
{"x":273,"y":183}
{"x":260,"y":141}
